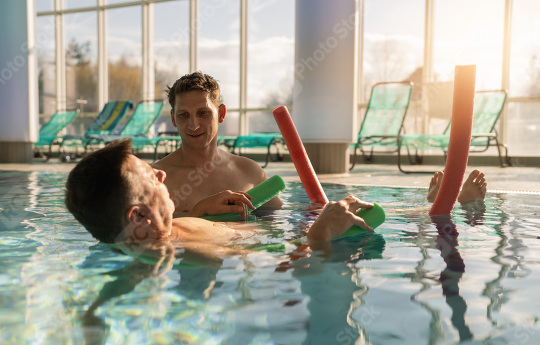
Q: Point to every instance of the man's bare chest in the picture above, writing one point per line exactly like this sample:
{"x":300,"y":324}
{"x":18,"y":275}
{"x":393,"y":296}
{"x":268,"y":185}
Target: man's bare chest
{"x":187,"y":187}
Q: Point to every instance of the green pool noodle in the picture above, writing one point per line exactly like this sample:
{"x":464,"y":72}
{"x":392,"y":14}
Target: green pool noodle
{"x":260,"y":195}
{"x":374,"y":217}
{"x":271,"y":248}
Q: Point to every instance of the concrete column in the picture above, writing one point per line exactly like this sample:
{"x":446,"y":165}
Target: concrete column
{"x":18,"y":81}
{"x":326,"y":81}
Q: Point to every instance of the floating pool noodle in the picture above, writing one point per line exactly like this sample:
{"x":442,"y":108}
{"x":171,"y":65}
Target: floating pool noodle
{"x":460,"y":140}
{"x":373,"y":217}
{"x":299,"y":156}
{"x":260,"y":195}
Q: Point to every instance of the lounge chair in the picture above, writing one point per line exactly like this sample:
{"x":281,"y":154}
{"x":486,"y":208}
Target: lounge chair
{"x":488,"y":106}
{"x":254,"y":140}
{"x":384,"y":117}
{"x":144,"y":116}
{"x":111,"y":115}
{"x":163,"y":139}
{"x":48,"y":133}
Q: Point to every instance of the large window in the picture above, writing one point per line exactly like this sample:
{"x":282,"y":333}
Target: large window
{"x":462,"y":32}
{"x":171,"y":43}
{"x":393,"y":50}
{"x":44,"y":6}
{"x":393,"y":42}
{"x":219,"y":52}
{"x":525,"y":51}
{"x":81,"y":60}
{"x":469,"y":33}
{"x":72,"y":4}
{"x":124,"y":53}
{"x":270,"y":53}
{"x":171,"y":51}
{"x":46,"y":64}
{"x":523,"y":125}
{"x":219,"y":45}
{"x":270,"y":75}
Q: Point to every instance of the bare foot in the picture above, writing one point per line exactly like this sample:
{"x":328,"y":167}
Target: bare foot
{"x":474,"y":188}
{"x":434,"y":186}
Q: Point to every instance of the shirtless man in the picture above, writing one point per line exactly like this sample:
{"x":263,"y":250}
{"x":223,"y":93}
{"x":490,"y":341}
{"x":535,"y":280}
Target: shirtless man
{"x":199,"y":169}
{"x":474,"y":188}
{"x":120,"y":198}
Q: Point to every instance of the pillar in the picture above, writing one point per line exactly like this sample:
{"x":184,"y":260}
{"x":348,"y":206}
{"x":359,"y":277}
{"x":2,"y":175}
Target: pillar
{"x":18,"y":81}
{"x":326,"y":81}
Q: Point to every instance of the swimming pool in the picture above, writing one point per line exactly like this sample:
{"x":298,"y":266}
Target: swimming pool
{"x":409,"y":283}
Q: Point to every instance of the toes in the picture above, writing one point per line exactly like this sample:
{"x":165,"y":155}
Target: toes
{"x":480,"y":176}
{"x":436,"y":179}
{"x":473,"y":175}
{"x":433,"y":182}
{"x":483,"y":189}
{"x":439,"y":176}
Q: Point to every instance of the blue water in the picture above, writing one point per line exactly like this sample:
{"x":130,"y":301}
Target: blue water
{"x":409,"y":283}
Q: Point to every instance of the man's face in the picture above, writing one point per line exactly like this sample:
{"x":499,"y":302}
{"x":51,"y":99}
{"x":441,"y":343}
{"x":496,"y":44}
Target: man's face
{"x":149,"y":190}
{"x":196,"y":117}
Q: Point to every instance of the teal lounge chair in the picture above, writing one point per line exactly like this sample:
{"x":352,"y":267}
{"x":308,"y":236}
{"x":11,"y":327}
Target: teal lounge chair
{"x":48,"y":133}
{"x":488,"y":106}
{"x":254,"y":140}
{"x":383,"y":122}
{"x":165,"y":139}
{"x":144,"y":116}
{"x":111,"y":115}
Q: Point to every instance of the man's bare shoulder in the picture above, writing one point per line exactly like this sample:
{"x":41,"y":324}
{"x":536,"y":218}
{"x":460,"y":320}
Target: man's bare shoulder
{"x":249,"y":169}
{"x":253,"y":174}
{"x":171,"y":161}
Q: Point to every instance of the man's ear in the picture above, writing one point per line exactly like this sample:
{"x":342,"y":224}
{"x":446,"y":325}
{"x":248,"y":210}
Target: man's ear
{"x":222,"y":111}
{"x":172,"y":118}
{"x":138,"y":224}
{"x":137,"y":215}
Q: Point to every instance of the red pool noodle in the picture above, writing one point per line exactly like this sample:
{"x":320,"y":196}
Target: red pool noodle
{"x":460,"y":140}
{"x":299,"y":156}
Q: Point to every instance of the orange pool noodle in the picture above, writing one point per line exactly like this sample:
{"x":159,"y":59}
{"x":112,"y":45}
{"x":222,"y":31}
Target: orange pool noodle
{"x":299,"y":156}
{"x":460,"y":140}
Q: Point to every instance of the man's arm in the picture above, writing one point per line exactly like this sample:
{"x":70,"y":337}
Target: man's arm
{"x":223,"y":202}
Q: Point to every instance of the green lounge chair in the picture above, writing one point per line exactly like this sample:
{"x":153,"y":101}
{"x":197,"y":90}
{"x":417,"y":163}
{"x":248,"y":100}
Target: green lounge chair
{"x":384,"y":117}
{"x":254,"y":140}
{"x":111,"y":115}
{"x":488,"y":106}
{"x":48,"y":133}
{"x":144,"y":116}
{"x":164,"y":139}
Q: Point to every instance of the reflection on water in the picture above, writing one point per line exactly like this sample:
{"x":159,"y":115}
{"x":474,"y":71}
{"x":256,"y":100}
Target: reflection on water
{"x":417,"y":280}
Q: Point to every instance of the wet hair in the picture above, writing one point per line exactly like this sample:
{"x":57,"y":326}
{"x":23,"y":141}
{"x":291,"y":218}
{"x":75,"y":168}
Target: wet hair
{"x":195,"y":81}
{"x":97,"y":192}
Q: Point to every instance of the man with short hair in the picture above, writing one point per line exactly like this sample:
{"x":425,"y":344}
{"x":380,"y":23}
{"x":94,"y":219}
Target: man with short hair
{"x":199,"y":168}
{"x":119,"y":198}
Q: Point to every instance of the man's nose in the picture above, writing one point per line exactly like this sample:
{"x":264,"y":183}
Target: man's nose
{"x":193,"y":123}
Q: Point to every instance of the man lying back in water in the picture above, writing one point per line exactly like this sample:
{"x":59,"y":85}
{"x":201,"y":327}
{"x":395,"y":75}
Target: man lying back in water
{"x":119,"y":198}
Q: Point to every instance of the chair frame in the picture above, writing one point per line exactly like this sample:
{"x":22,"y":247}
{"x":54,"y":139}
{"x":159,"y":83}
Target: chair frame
{"x":87,"y":136}
{"x":490,"y":137}
{"x":236,"y":145}
{"x":54,"y":140}
{"x":110,"y":138}
{"x":387,"y":140}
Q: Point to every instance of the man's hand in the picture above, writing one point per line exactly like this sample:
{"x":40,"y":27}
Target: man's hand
{"x":223,"y":202}
{"x":338,"y":217}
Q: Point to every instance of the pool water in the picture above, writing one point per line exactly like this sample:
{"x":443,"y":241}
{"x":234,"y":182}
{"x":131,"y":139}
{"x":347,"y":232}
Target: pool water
{"x":413,"y":281}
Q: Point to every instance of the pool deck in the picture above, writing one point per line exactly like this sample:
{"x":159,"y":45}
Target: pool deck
{"x":510,"y":179}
